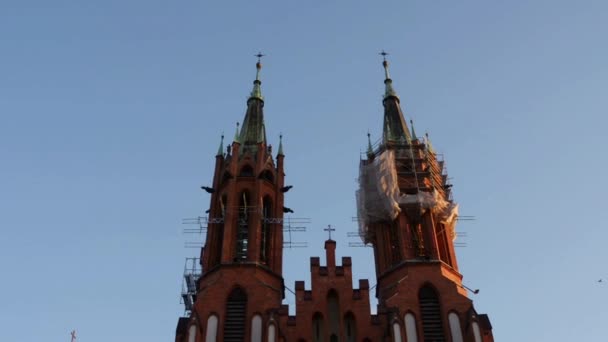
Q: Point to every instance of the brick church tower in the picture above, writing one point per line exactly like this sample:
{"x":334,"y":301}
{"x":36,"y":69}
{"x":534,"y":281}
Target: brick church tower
{"x":406,"y":213}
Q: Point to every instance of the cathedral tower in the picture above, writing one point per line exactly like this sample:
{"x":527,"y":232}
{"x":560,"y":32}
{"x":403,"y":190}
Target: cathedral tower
{"x":241,"y":284}
{"x":408,"y":215}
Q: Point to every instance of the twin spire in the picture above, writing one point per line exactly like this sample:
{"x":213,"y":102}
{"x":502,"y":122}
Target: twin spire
{"x":253,"y":130}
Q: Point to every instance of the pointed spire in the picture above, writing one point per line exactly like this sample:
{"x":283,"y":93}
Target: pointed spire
{"x":280,"y":152}
{"x":388,"y":83}
{"x":414,"y":137}
{"x":256,"y":93}
{"x":236,"y":134}
{"x":429,"y":146}
{"x":220,"y":150}
{"x":253,"y":131}
{"x":395,"y":128}
{"x":370,"y":149}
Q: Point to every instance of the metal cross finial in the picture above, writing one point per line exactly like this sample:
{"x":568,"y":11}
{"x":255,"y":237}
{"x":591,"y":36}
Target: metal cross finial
{"x":259,"y":56}
{"x":73,"y":333}
{"x":329,"y":229}
{"x":384,"y":54}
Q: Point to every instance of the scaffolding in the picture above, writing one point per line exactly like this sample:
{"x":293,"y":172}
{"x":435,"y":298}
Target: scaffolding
{"x":402,"y":175}
{"x":192,"y":273}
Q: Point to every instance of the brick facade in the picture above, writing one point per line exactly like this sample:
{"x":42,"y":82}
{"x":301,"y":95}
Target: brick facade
{"x":419,"y":288}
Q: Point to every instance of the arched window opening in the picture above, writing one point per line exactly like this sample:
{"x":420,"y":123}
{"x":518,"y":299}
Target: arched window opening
{"x":397,"y":332}
{"x":442,"y":244}
{"x":215,"y":252}
{"x":226,"y":177}
{"x":267,"y":175}
{"x":333,"y":312}
{"x":455,"y":328}
{"x":394,"y":242}
{"x":476,"y":332}
{"x":272,"y":333}
{"x":192,"y":333}
{"x":317,"y":327}
{"x":430,"y":314}
{"x":256,"y":328}
{"x":236,"y":306}
{"x":350,"y":327}
{"x":418,"y":239}
{"x":211,"y":335}
{"x":242,"y":237}
{"x":266,"y":229}
{"x":411,"y":333}
{"x":246,"y":171}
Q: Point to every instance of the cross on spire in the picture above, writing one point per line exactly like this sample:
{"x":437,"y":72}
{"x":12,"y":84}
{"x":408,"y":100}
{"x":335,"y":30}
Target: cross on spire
{"x":73,"y":333}
{"x":259,"y":55}
{"x":384,"y":54}
{"x":329,"y":229}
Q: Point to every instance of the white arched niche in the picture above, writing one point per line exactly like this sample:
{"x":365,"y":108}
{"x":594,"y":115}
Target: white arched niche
{"x":272,"y":333}
{"x":455,"y":329}
{"x":256,"y":328}
{"x":411,"y":334}
{"x":192,"y":333}
{"x":211,"y":329}
{"x":396,"y":332}
{"x":476,"y":332}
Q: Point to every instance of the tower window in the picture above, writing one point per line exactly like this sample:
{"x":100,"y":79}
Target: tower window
{"x":430,"y":314}
{"x":242,"y":238}
{"x":234,"y":326}
{"x":266,"y":229}
{"x":267,"y":175}
{"x":246,"y":171}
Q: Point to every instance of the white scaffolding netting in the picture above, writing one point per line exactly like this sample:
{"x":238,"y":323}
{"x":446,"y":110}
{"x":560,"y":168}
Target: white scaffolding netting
{"x":379,"y":198}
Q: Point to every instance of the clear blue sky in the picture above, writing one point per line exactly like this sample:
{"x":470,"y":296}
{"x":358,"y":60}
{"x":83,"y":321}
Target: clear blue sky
{"x":111,"y":113}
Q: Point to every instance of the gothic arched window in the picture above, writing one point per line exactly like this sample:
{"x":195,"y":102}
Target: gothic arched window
{"x":317,"y":327}
{"x":333,"y":312}
{"x":242,"y":234}
{"x":236,"y":306}
{"x":430,"y":315}
{"x":246,"y":171}
{"x":350,"y":327}
{"x":265,"y":244}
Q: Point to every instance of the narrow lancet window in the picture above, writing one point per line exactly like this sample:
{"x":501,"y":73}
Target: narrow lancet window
{"x":350,"y":327}
{"x":333,"y":313}
{"x":256,"y":328}
{"x":211,"y":335}
{"x":317,"y":328}
{"x":411,"y":334}
{"x":192,"y":333}
{"x":266,"y":229}
{"x":455,"y":329}
{"x":242,"y":238}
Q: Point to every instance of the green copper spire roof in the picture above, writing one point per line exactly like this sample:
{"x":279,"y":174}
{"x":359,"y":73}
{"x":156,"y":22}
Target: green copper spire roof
{"x":220,"y":150}
{"x":280,"y":152}
{"x":236,"y":134}
{"x":256,"y":93}
{"x":370,"y":150}
{"x":395,"y":128}
{"x":414,"y":137}
{"x":253,"y":130}
{"x":388,"y":83}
